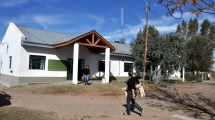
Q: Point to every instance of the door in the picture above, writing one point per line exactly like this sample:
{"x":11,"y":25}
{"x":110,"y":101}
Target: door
{"x":101,"y":68}
{"x":81,"y":64}
{"x":69,"y":68}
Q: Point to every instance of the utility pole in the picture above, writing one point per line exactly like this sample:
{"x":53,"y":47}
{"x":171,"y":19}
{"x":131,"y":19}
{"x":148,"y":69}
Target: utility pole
{"x":146,"y":42}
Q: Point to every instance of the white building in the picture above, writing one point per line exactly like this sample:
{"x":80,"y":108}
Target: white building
{"x":31,"y":55}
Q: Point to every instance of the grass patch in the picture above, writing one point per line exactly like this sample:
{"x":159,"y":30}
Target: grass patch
{"x":112,"y":89}
{"x":18,"y":113}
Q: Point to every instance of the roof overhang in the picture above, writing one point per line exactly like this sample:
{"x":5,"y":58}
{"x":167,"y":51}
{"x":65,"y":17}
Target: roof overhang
{"x":25,"y":43}
{"x":91,"y":40}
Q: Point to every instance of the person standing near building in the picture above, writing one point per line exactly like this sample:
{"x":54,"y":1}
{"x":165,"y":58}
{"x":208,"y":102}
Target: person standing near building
{"x":86,"y":74}
{"x":131,"y":95}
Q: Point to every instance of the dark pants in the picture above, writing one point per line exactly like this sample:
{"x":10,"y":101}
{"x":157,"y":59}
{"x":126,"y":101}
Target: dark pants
{"x":131,"y":100}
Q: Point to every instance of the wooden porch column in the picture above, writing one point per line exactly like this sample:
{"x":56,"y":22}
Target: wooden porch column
{"x":75,"y":63}
{"x":107,"y":65}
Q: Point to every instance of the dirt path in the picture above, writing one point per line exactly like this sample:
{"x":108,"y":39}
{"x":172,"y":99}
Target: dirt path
{"x":68,"y":107}
{"x":88,"y":107}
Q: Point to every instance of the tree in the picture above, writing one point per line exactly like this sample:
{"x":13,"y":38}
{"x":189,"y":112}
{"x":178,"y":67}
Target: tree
{"x":193,"y":27}
{"x":137,"y":46}
{"x":199,"y":48}
{"x":178,"y":30}
{"x":200,"y":54}
{"x":165,"y":50}
{"x":173,"y":52}
{"x":153,"y":53}
{"x":205,"y":27}
{"x":195,"y":6}
{"x":184,"y":28}
{"x":212,"y":32}
{"x":181,"y":30}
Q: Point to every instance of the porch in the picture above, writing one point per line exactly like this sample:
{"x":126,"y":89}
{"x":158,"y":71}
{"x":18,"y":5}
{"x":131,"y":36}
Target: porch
{"x":95,"y":44}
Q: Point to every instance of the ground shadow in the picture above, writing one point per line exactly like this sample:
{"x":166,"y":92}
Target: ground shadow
{"x":112,"y":77}
{"x":197,"y":102}
{"x":4,"y":99}
{"x":132,"y":108}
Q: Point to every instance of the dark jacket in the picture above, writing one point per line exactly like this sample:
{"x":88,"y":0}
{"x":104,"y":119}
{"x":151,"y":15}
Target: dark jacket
{"x":131,"y":83}
{"x":86,"y":71}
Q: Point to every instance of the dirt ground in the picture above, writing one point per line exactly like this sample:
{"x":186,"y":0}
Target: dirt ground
{"x":92,"y":106}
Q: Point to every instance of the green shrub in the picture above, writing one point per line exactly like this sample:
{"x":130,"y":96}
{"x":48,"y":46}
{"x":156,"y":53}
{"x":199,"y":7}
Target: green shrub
{"x":213,"y":74}
{"x":191,"y":77}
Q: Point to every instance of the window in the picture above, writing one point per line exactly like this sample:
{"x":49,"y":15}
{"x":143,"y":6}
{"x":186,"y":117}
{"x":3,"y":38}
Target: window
{"x":127,"y":67}
{"x":10,"y":62}
{"x":37,"y":62}
{"x":101,"y":67}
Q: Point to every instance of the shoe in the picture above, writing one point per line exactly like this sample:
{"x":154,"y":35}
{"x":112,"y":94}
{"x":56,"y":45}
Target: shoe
{"x":126,"y":113}
{"x":141,"y":113}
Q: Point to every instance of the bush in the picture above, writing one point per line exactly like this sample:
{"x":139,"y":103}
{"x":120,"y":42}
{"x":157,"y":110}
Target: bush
{"x":213,"y":74}
{"x":191,"y":77}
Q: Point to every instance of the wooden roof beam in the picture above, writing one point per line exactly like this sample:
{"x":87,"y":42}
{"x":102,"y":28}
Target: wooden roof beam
{"x":88,"y":41}
{"x":97,"y":41}
{"x":91,"y":45}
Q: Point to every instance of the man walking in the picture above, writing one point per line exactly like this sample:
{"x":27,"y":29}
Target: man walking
{"x":131,"y":95}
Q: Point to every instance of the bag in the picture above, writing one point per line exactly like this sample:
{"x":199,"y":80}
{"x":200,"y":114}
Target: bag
{"x":141,"y":90}
{"x":125,"y":91}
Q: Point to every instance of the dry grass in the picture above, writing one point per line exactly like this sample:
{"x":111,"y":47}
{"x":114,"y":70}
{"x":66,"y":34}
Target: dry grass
{"x":112,"y":89}
{"x":18,"y":113}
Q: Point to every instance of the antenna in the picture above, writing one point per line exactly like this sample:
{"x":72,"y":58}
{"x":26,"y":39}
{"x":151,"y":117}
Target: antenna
{"x":122,"y":17}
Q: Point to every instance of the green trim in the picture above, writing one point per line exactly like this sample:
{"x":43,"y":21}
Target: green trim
{"x":57,"y":65}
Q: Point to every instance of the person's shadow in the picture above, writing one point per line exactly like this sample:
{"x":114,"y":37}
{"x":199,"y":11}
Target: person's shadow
{"x":132,"y":108}
{"x":4,"y":99}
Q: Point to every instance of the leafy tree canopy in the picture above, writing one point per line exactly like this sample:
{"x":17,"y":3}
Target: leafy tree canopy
{"x":205,"y":27}
{"x":199,"y":47}
{"x":165,"y":50}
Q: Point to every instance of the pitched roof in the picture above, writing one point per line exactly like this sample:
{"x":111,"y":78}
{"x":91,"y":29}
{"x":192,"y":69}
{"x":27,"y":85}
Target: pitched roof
{"x":122,"y":49}
{"x":43,"y":37}
{"x":47,"y":39}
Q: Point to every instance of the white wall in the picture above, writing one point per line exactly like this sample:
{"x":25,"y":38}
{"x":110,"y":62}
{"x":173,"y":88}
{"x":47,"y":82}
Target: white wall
{"x":12,"y":38}
{"x":117,"y":65}
{"x":56,"y":54}
{"x":20,"y":57}
{"x":176,"y":73}
{"x":91,"y":59}
{"x":116,"y":62}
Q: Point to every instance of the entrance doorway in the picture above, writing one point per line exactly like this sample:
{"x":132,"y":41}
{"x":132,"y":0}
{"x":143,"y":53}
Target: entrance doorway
{"x":69,"y":68}
{"x":81,"y":64}
{"x":101,"y":68}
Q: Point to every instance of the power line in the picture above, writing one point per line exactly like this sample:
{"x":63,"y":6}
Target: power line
{"x":131,"y":19}
{"x":128,"y":21}
{"x":159,"y":18}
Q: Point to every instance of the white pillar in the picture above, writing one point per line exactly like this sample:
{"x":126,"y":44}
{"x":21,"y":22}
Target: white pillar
{"x":107,"y":65}
{"x":75,"y":63}
{"x":183,"y":74}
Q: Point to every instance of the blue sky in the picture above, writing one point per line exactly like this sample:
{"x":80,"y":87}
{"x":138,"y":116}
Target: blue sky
{"x":80,"y":16}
